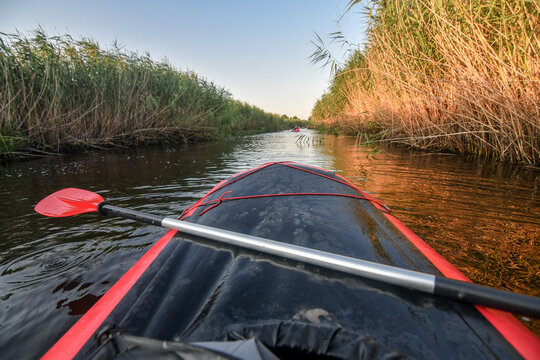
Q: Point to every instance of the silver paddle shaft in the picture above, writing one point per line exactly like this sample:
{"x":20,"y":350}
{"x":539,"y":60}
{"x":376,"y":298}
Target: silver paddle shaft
{"x":444,"y":287}
{"x":367,"y":269}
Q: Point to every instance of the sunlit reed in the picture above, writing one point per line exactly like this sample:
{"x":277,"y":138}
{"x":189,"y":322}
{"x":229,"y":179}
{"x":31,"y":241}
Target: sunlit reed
{"x":460,"y":76}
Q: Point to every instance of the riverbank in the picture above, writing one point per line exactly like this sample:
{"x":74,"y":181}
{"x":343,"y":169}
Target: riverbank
{"x":59,"y":95}
{"x":451,"y":76}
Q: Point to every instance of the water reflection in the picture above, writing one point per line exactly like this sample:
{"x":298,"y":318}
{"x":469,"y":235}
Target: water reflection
{"x":482,"y":217}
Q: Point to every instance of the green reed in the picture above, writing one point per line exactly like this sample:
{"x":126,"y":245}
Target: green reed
{"x":58,"y":94}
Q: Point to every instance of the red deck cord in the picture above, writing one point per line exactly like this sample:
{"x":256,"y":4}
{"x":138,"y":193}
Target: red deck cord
{"x":221,"y":198}
{"x":189,"y":211}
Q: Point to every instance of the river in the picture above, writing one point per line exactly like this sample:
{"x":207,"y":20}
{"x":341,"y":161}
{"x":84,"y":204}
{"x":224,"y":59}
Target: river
{"x":484,"y":217}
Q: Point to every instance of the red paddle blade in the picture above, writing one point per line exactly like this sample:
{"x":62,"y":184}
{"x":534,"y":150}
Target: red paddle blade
{"x":68,"y":202}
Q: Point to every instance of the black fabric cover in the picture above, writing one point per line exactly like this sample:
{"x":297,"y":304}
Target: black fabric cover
{"x":295,"y":340}
{"x":123,"y":346}
{"x":201,"y":291}
{"x":291,"y":340}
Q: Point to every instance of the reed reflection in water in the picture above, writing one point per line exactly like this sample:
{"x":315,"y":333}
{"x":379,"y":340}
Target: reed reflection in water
{"x":484,"y":217}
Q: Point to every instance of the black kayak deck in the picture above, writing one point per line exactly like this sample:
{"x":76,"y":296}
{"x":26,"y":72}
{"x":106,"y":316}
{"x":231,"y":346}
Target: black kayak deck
{"x":200,"y":291}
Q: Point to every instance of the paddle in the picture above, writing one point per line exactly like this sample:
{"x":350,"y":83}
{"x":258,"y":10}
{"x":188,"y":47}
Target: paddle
{"x":71,"y":201}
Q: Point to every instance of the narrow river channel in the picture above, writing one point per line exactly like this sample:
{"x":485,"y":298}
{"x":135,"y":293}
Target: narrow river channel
{"x":484,"y":217}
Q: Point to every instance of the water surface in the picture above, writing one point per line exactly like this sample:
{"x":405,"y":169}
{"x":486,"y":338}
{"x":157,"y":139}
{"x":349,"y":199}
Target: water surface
{"x":483,"y":217}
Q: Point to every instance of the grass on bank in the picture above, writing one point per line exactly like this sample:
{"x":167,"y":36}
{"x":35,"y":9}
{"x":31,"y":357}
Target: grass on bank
{"x":459,"y":76}
{"x":58,"y":94}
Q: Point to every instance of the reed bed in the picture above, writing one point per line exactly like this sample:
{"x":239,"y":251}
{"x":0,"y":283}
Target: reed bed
{"x":58,"y":94}
{"x":459,"y":76}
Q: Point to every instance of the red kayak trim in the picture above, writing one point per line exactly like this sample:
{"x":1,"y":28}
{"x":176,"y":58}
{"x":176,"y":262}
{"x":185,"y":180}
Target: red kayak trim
{"x":526,"y":343}
{"x":74,"y":339}
{"x":522,"y":339}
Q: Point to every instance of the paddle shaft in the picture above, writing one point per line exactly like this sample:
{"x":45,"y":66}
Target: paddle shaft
{"x":448,"y":288}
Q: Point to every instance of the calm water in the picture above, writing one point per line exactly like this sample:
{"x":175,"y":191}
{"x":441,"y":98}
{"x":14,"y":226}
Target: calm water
{"x":483,"y":217}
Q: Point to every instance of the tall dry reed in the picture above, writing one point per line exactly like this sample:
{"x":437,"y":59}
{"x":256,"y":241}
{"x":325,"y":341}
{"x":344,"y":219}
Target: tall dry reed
{"x":57,"y":94}
{"x":461,"y":76}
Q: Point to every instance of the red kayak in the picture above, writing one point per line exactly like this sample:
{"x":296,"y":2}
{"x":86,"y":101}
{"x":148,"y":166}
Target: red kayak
{"x":290,"y":261}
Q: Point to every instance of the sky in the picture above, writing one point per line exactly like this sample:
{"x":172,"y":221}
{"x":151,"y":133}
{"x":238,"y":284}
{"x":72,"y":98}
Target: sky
{"x":258,"y":50}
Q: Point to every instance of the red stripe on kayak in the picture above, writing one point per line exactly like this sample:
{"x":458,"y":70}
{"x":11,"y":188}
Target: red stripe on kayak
{"x":524,"y":341}
{"x":74,"y":339}
{"x":71,"y":343}
{"x":521,"y":338}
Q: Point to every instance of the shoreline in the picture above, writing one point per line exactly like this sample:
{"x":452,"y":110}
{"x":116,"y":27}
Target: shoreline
{"x":61,"y":95}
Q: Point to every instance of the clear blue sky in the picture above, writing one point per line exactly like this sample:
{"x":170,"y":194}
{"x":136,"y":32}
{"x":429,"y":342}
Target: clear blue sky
{"x":258,"y":50}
